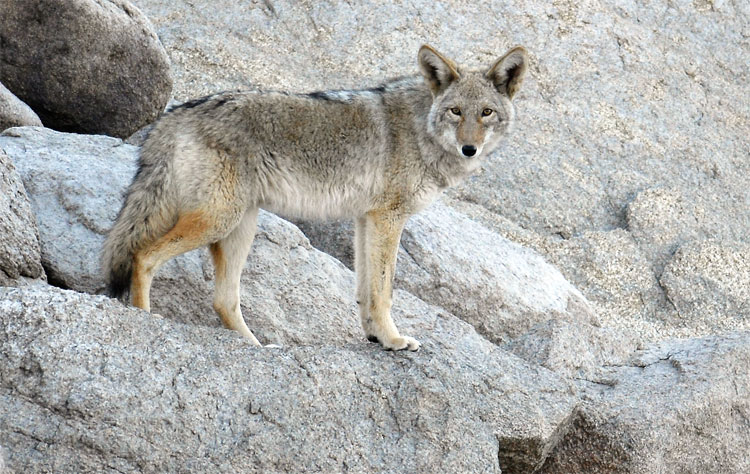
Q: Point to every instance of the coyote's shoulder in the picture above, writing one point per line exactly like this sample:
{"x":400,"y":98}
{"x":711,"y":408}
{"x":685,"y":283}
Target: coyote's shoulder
{"x":375,"y":155}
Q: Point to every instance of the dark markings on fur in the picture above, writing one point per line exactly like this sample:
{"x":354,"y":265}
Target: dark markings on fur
{"x":202,"y":100}
{"x":377,"y":90}
{"x":320,"y":95}
{"x":192,"y":103}
{"x":119,"y":284}
{"x":373,"y":339}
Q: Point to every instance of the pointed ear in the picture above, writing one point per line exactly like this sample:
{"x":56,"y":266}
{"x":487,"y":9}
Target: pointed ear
{"x":438,"y":71}
{"x":507,"y":73}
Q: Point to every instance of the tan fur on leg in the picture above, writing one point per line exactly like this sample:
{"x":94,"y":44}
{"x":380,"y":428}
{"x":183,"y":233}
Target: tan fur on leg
{"x":192,"y":230}
{"x":382,"y":235}
{"x":229,"y":255}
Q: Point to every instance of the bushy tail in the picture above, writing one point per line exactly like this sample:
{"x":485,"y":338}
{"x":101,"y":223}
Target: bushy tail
{"x":146,"y":215}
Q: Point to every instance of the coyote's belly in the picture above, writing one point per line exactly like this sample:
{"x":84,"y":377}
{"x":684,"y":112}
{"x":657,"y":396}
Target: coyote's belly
{"x":307,"y":197}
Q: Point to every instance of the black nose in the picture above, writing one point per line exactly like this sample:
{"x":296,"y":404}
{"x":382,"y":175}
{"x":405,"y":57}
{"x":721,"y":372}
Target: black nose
{"x":469,"y":150}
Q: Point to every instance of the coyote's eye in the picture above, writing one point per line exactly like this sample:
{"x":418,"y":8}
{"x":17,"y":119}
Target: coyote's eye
{"x":487,"y":112}
{"x":456,"y":111}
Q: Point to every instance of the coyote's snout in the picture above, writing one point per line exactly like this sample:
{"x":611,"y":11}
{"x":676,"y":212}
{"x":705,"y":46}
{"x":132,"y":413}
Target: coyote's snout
{"x":375,"y":155}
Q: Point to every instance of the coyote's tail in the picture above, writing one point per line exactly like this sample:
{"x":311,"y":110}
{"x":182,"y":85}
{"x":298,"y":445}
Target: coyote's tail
{"x":146,"y":215}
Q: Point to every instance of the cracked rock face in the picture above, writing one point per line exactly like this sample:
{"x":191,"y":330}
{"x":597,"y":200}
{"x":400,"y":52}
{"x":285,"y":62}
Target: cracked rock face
{"x":145,"y":394}
{"x":679,"y":406}
{"x":709,"y":281}
{"x":19,"y":240}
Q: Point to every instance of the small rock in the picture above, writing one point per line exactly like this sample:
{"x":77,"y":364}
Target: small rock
{"x":677,"y":406}
{"x":14,"y":113}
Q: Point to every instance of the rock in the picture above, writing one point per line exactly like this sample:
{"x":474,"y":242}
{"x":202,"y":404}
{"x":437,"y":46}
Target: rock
{"x":499,"y":287}
{"x":574,"y":349}
{"x":678,"y":406}
{"x":336,"y":238}
{"x":19,"y":239}
{"x":3,"y":469}
{"x":709,"y":284}
{"x":90,"y":66}
{"x":14,"y":113}
{"x":615,"y":275}
{"x":90,"y":385}
{"x":75,"y":186}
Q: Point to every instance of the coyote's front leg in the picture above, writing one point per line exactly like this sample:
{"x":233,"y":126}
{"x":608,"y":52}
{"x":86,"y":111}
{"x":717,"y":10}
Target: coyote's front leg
{"x":376,"y":238}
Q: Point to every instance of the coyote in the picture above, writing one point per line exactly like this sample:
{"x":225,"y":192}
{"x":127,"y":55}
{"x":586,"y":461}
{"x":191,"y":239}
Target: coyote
{"x":375,"y":155}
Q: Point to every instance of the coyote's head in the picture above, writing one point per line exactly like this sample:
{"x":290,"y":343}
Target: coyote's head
{"x":471,"y":110}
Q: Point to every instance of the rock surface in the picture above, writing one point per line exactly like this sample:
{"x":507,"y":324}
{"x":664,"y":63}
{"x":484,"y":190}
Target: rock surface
{"x":144,"y":394}
{"x":14,"y":113}
{"x":91,"y":66}
{"x":499,"y":287}
{"x":19,"y":240}
{"x":709,"y":282}
{"x":679,"y":406}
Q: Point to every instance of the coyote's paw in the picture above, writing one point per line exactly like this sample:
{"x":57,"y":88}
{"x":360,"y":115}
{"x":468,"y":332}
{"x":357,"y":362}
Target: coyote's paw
{"x":402,"y":342}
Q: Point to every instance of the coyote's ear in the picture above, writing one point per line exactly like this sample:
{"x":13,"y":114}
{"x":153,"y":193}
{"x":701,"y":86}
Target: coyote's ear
{"x":438,"y":71}
{"x":507,"y":73}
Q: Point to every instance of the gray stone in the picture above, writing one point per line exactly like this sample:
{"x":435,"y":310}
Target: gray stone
{"x":575,"y":349}
{"x":3,"y":469}
{"x":91,"y":66}
{"x":336,"y":238}
{"x":19,"y":239}
{"x":75,"y":184}
{"x":88,"y":385}
{"x":499,"y":287}
{"x":679,"y":406}
{"x":615,"y":275}
{"x":14,"y":113}
{"x":709,"y":283}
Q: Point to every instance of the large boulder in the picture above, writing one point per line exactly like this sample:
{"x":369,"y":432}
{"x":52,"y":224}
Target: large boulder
{"x":501,"y":288}
{"x":91,"y":66}
{"x":449,"y":260}
{"x":14,"y":113}
{"x":678,"y":406}
{"x":88,"y":385}
{"x":19,"y":239}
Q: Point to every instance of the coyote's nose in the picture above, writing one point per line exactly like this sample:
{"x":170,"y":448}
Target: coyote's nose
{"x":469,"y":150}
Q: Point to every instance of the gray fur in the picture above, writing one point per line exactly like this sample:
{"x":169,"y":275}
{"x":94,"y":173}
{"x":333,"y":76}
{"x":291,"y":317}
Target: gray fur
{"x":325,"y":155}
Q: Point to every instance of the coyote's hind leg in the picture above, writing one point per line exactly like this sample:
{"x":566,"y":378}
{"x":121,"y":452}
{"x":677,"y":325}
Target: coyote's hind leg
{"x":193,"y":229}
